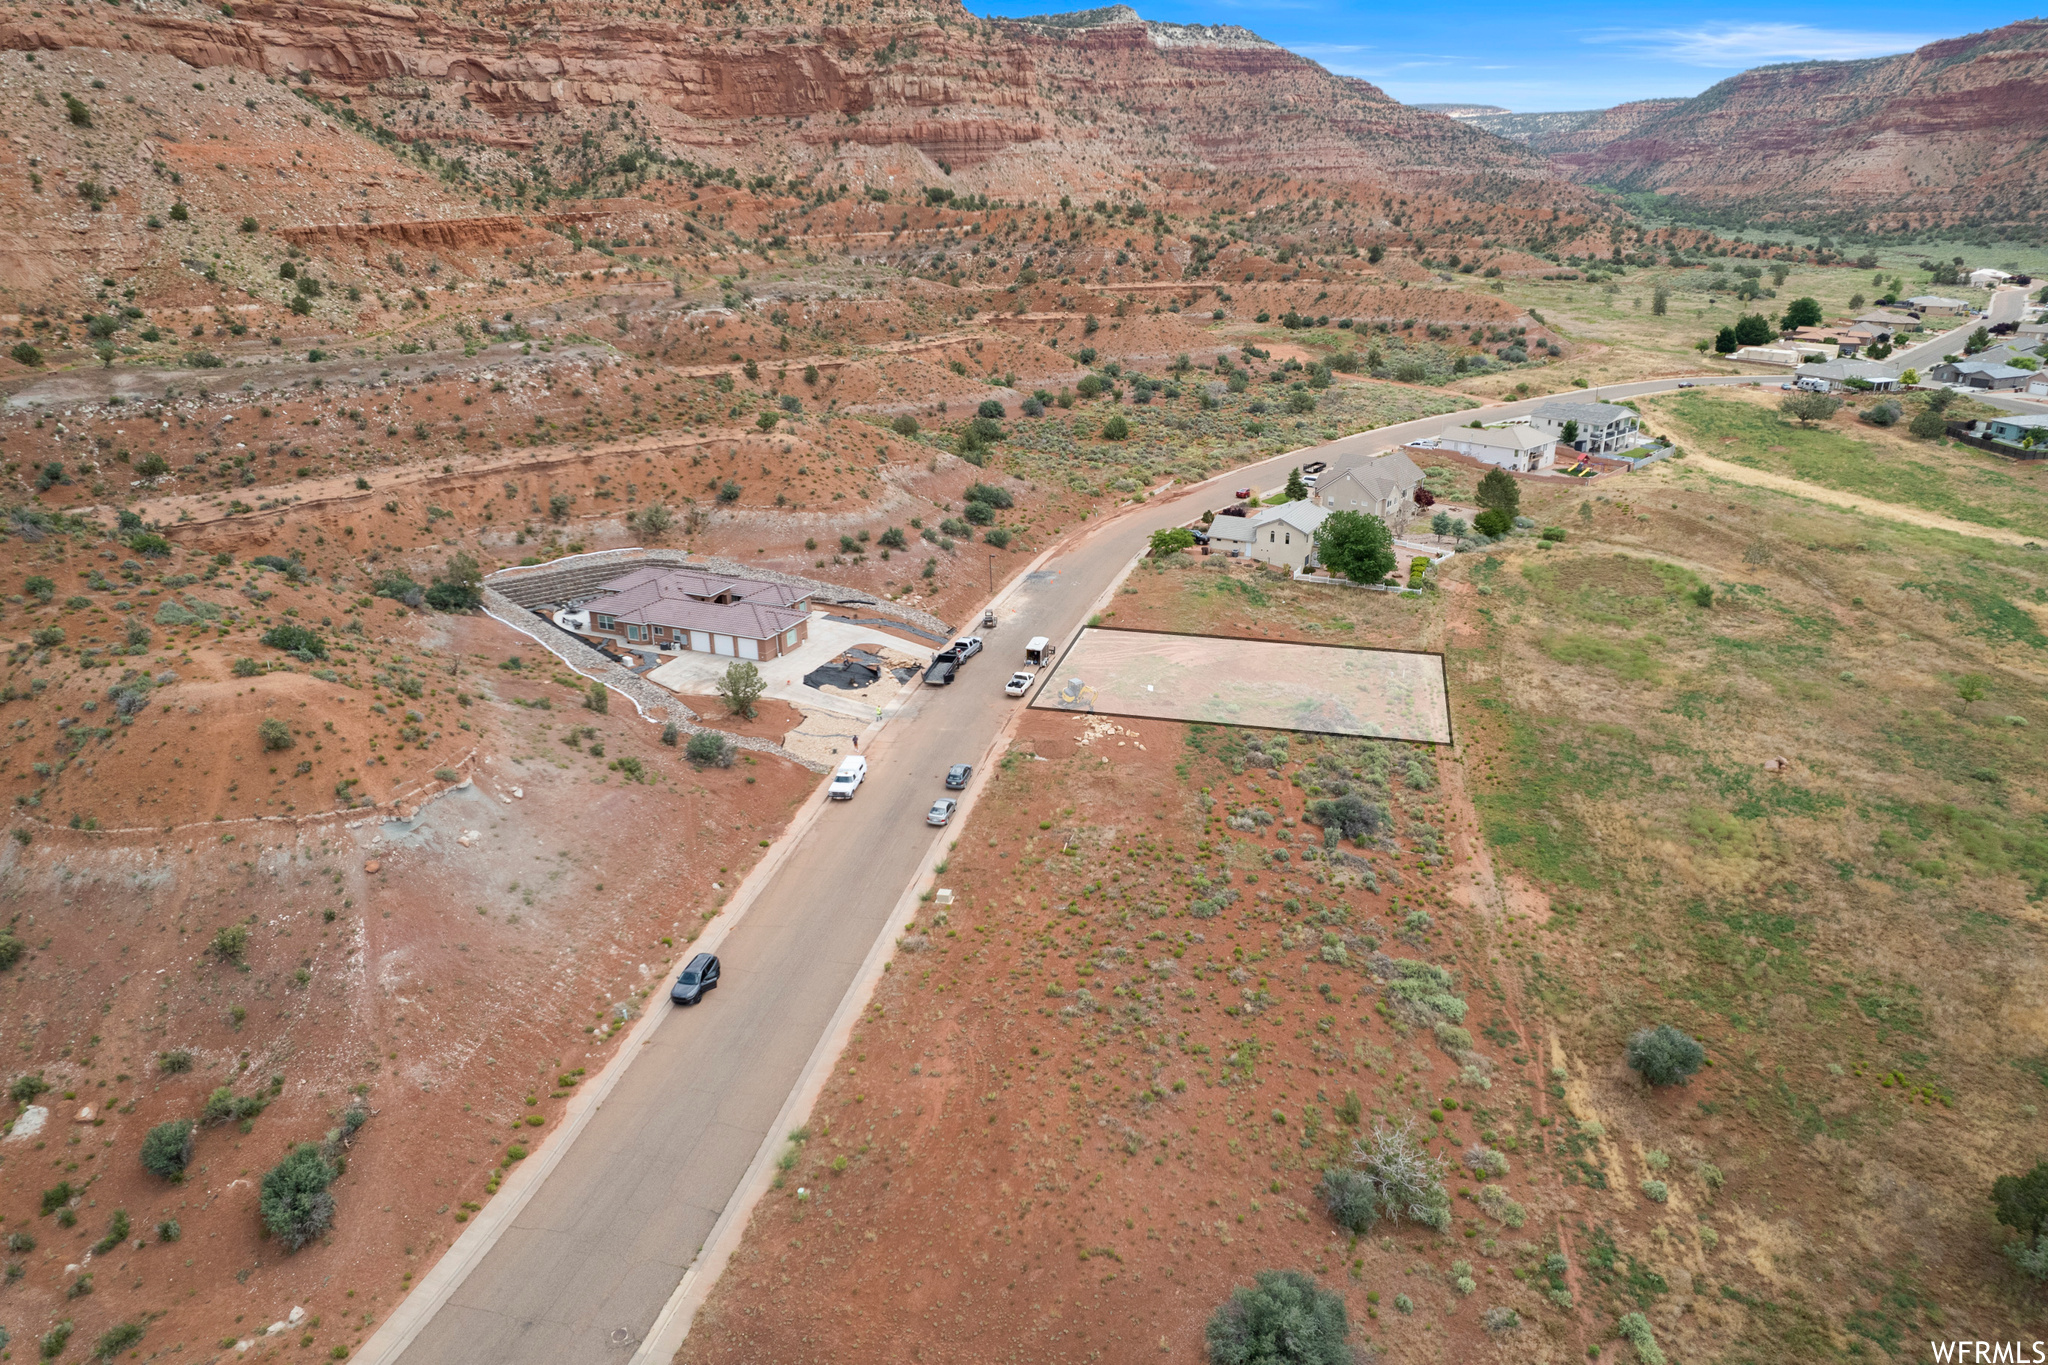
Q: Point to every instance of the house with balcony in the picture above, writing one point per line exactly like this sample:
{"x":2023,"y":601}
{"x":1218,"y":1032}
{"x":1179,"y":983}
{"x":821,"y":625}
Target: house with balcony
{"x":1596,"y":428}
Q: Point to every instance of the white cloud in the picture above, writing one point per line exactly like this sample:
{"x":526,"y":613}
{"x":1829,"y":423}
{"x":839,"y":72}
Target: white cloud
{"x":1735,"y":46}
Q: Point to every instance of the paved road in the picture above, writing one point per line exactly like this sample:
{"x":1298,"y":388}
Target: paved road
{"x":583,"y":1271}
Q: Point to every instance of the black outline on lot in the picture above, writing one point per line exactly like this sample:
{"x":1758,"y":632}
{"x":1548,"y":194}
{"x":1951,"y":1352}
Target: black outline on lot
{"x":1443,"y":672}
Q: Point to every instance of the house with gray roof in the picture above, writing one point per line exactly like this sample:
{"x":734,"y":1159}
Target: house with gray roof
{"x":1980,"y":374}
{"x":1597,"y":428}
{"x":674,"y":611}
{"x":1836,"y":374}
{"x":1383,"y":486}
{"x":1518,"y":447}
{"x":1285,"y":534}
{"x":1934,"y":305}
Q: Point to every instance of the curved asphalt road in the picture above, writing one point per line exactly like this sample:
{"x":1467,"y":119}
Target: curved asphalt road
{"x":583,"y":1270}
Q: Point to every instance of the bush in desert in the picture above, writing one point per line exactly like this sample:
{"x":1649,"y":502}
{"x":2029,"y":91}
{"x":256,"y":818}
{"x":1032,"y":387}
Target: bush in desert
{"x":1392,"y":1176}
{"x":168,"y":1149}
{"x":1665,"y":1056}
{"x":295,"y":1204}
{"x":1284,"y":1318}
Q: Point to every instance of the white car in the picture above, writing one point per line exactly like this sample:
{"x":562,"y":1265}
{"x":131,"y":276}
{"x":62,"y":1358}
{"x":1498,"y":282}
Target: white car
{"x":1019,"y":683}
{"x":966,"y":647}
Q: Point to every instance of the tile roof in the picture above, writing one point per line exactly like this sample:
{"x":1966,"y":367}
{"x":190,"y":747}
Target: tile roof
{"x":675,"y":598}
{"x":1585,"y":414}
{"x":1378,"y":475}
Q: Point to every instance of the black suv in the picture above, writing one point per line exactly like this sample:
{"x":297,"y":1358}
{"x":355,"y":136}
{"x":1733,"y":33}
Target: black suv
{"x":697,"y":978}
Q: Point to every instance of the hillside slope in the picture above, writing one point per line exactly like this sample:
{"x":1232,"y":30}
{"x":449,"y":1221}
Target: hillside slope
{"x":1954,"y":133}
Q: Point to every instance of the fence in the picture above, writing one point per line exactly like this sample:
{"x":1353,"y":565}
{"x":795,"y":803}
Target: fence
{"x":1960,"y":431}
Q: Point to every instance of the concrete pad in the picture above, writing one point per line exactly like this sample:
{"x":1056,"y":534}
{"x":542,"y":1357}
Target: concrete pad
{"x":698,"y":674}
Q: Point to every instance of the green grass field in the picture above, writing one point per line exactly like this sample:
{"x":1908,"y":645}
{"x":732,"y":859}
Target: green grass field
{"x":1847,"y":454}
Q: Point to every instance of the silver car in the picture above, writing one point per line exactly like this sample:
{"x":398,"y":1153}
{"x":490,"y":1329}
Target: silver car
{"x":941,"y":811}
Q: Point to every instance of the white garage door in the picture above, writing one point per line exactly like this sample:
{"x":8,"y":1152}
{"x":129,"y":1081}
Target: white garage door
{"x":722,"y":644}
{"x":700,"y":640}
{"x":750,"y":649}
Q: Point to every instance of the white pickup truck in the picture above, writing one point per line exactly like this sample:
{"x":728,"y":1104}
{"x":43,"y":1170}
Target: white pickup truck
{"x":846,"y":780}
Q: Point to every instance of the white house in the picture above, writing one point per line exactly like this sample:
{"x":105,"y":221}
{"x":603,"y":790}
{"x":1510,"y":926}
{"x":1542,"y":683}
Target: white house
{"x":1598,"y":428}
{"x":1230,"y":533}
{"x":1519,"y":448}
{"x":1771,"y":355}
{"x":1834,"y":374}
{"x":1987,"y":278}
{"x":1285,"y":534}
{"x":1934,"y":305}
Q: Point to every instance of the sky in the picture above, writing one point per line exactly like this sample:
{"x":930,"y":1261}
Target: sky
{"x":1545,"y":55}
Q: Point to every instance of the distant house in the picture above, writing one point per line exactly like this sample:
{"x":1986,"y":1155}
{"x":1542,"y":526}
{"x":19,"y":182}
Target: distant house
{"x":2037,"y":387}
{"x":1285,"y":535}
{"x":1382,"y":485}
{"x":1835,"y":374}
{"x":2015,"y":430}
{"x":1519,"y":448}
{"x":1893,"y":322}
{"x":1987,"y":278}
{"x":1980,"y":374}
{"x":1934,"y":305}
{"x":681,"y":610}
{"x":1601,"y":428}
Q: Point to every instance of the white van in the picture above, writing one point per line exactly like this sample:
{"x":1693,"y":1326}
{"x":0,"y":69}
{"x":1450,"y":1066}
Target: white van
{"x":846,"y":781}
{"x":1039,"y":651}
{"x":1815,"y":384}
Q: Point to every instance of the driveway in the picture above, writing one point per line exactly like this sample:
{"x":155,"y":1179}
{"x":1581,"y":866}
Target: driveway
{"x":698,"y":673}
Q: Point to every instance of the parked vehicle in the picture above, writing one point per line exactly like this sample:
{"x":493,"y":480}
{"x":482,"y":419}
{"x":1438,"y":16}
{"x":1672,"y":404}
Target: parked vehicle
{"x":1315,"y":466}
{"x":852,"y":771}
{"x":957,"y":775}
{"x":988,"y":619}
{"x":966,"y":647}
{"x":941,"y":811}
{"x":699,"y":976}
{"x":1019,"y":683}
{"x":1243,"y":494}
{"x":941,"y":671}
{"x":1687,"y":384}
{"x":1039,"y":651}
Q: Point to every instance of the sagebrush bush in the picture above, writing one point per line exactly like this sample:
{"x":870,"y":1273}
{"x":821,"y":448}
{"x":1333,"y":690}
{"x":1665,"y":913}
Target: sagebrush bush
{"x":1393,"y":1177}
{"x":710,"y":747}
{"x":295,"y":1204}
{"x":230,"y":942}
{"x":1634,"y":1328}
{"x":1665,"y":1056}
{"x":1350,"y":1197}
{"x":1284,"y":1318}
{"x":167,"y":1149}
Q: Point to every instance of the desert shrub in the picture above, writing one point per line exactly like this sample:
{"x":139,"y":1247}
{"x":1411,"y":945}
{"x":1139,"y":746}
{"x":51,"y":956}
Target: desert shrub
{"x":1928,"y":425}
{"x":275,"y":734}
{"x":906,"y":425}
{"x":1284,"y":1318}
{"x":1482,"y":1160}
{"x":709,"y":748}
{"x":57,"y":1196}
{"x":1350,"y":1198}
{"x":1496,"y":1203}
{"x":230,"y":942}
{"x":169,"y":1231}
{"x":1493,"y":522}
{"x":1402,"y":1180}
{"x":1421,"y":988}
{"x":671,"y":734}
{"x":295,"y":639}
{"x":1350,"y":815}
{"x":979,"y":513}
{"x":1499,"y":1320}
{"x":741,"y":686}
{"x":117,"y":1339}
{"x":175,"y":1062}
{"x":117,"y":1232}
{"x":1882,"y":414}
{"x":26,"y":1088}
{"x":167,"y":1150}
{"x":2021,"y":1203}
{"x":990,"y":494}
{"x":1634,"y":1328}
{"x":1665,"y":1056}
{"x":1656,"y":1191}
{"x":11,"y":948}
{"x":1461,"y":1277}
{"x":397,"y":585}
{"x":1116,"y":428}
{"x":54,"y":1341}
{"x":597,"y":699}
{"x":295,"y":1204}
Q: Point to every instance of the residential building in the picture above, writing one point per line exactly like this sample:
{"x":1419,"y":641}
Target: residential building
{"x":2015,"y":430}
{"x":1382,"y":485}
{"x":1600,"y":428}
{"x":1285,"y":535}
{"x":1835,"y":374}
{"x":2037,"y":387}
{"x":1934,"y":305}
{"x":1518,"y":447}
{"x":1987,"y":278}
{"x":1980,"y":374}
{"x":1230,"y":533}
{"x":1892,"y":321}
{"x":656,"y":610}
